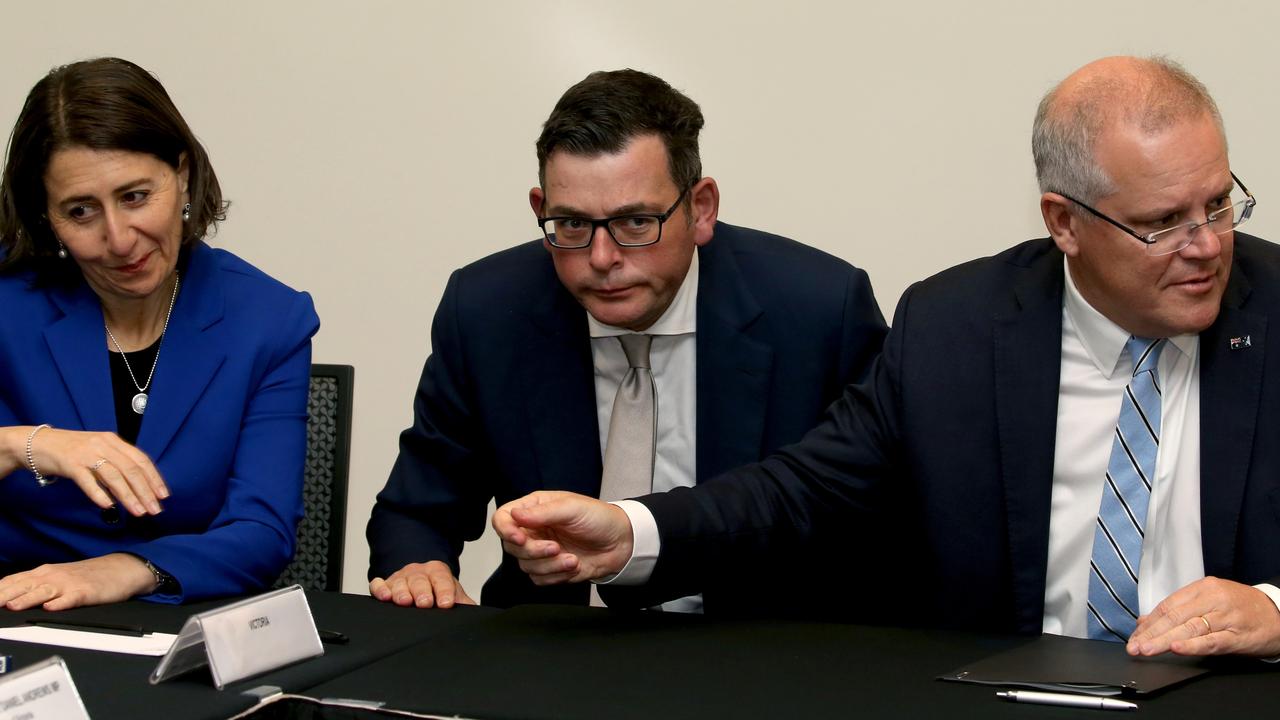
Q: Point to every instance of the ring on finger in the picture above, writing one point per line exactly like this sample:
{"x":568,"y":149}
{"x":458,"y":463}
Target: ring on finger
{"x":1207,"y":627}
{"x":101,"y":461}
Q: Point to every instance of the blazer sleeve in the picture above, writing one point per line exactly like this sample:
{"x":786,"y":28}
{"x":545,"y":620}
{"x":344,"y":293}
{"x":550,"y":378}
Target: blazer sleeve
{"x":721,"y":533}
{"x":438,"y":492}
{"x":252,"y":537}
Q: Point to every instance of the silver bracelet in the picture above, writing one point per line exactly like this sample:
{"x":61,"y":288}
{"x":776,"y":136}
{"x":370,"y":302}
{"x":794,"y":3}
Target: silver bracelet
{"x":41,"y":480}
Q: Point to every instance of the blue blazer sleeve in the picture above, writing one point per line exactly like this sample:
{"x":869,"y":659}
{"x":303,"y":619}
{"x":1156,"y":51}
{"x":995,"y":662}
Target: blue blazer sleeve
{"x":252,"y":537}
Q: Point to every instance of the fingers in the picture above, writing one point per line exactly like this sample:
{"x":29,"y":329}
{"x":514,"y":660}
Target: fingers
{"x":104,"y":467}
{"x":380,"y":590}
{"x":66,"y":599}
{"x":89,"y":485}
{"x":424,"y":585}
{"x":38,"y":595}
{"x":124,"y":478}
{"x":506,"y":527}
{"x":532,"y":549}
{"x":146,"y":471}
{"x":561,"y":568}
{"x":545,"y":508}
{"x":395,"y":589}
{"x":1176,"y":618}
{"x":27,"y":594}
{"x":14,"y":586}
{"x":109,"y":476}
{"x":549,"y":509}
{"x":59,"y":586}
{"x":1210,"y":617}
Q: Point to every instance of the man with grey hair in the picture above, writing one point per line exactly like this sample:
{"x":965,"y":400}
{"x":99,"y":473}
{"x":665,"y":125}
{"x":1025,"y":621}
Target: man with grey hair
{"x":1072,"y":432}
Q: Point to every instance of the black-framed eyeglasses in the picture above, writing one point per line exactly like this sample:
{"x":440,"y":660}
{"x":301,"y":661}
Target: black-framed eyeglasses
{"x":631,"y":230}
{"x":1231,"y":214}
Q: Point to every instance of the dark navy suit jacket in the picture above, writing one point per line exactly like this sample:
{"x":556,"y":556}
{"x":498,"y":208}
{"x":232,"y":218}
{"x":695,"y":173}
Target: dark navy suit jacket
{"x":953,"y":439}
{"x":507,"y":406}
{"x":226,"y":425}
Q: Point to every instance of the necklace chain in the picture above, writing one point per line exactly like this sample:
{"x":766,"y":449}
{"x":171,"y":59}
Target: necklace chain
{"x":156,"y":361}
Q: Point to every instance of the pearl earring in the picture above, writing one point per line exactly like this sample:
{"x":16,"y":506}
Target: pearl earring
{"x":62,"y":251}
{"x":186,"y":213}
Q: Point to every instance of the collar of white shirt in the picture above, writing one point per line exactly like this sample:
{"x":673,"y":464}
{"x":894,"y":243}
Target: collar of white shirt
{"x":1102,"y":339}
{"x":680,"y":318}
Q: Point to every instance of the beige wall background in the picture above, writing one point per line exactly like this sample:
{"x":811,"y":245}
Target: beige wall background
{"x":371,"y":148}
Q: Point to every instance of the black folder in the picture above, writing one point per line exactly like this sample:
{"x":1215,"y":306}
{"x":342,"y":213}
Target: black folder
{"x":1096,"y":667}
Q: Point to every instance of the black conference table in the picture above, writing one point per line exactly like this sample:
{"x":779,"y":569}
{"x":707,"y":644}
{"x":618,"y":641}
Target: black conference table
{"x":559,"y":662}
{"x":117,"y":686}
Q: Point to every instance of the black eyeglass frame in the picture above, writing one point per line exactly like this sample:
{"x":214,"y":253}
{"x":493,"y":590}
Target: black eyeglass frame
{"x":599,"y":222}
{"x":1250,"y":203}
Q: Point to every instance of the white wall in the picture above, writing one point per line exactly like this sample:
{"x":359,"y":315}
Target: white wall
{"x":371,"y":148}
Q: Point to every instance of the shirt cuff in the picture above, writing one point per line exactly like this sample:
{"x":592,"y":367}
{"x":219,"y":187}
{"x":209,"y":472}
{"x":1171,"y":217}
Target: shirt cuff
{"x":1272,"y":592}
{"x":645,"y":545}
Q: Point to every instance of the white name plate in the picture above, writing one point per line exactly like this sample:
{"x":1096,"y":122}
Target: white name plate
{"x":245,"y":638}
{"x":43,"y":691}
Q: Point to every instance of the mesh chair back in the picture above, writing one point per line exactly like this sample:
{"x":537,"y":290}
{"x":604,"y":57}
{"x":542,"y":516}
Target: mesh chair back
{"x":317,"y":562}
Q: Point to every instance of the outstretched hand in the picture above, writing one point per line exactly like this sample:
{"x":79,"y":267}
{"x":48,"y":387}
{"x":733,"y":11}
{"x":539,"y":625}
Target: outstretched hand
{"x":561,"y":537}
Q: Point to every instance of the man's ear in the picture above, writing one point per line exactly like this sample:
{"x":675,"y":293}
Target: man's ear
{"x":704,"y":204}
{"x":536,"y":199}
{"x":1061,"y":222}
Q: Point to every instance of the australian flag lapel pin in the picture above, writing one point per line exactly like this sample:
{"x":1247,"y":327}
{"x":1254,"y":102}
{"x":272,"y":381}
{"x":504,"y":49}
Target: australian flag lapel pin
{"x":1240,"y":343}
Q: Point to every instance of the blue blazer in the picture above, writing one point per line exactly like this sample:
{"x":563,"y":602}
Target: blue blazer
{"x":507,"y":406}
{"x":226,"y":425}
{"x":951,"y":446}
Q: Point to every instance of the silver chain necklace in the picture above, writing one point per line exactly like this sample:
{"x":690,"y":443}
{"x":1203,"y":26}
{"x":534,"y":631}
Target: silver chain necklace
{"x":140,"y":400}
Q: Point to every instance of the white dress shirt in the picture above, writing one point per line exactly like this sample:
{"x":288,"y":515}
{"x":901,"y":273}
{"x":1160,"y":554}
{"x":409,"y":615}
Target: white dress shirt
{"x":1095,"y":370}
{"x":673,"y":361}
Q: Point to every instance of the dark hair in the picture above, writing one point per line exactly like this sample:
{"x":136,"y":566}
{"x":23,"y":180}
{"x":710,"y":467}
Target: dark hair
{"x":606,"y":110}
{"x":102,"y":104}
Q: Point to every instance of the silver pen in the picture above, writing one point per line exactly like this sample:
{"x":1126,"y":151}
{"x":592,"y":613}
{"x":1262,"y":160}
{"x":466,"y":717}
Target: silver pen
{"x":1066,"y":700}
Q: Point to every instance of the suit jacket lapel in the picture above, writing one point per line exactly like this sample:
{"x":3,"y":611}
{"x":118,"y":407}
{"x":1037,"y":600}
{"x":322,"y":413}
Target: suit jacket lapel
{"x":559,"y":381}
{"x":78,"y":344}
{"x":733,"y":370}
{"x":193,"y":349}
{"x":1027,"y":353}
{"x":1230,"y":389}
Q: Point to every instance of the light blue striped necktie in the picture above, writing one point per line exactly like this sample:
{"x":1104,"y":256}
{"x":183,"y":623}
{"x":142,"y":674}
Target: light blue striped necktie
{"x":1122,"y":514}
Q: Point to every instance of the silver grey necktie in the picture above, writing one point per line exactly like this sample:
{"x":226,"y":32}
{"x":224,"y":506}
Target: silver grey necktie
{"x":633,"y":426}
{"x":633,"y":431}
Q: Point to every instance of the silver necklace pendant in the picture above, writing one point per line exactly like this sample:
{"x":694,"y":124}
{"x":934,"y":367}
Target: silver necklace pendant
{"x":139,"y":402}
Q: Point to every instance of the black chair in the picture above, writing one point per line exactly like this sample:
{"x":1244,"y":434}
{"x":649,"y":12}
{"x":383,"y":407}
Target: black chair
{"x":317,"y":562}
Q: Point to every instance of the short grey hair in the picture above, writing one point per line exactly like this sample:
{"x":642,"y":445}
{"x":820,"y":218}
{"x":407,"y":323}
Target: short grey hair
{"x":1073,"y":115}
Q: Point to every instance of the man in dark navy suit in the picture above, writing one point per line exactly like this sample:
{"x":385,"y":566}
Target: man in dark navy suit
{"x":751,"y":336}
{"x":1074,"y":436}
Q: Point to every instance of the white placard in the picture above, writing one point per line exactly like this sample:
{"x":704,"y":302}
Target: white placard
{"x":43,"y":691}
{"x":244,"y":638}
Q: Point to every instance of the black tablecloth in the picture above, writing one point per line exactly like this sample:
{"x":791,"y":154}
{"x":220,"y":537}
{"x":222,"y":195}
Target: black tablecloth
{"x":568,"y":662}
{"x":116,"y":686}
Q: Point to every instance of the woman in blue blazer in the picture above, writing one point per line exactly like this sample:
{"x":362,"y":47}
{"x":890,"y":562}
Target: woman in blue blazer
{"x":152,"y":389}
